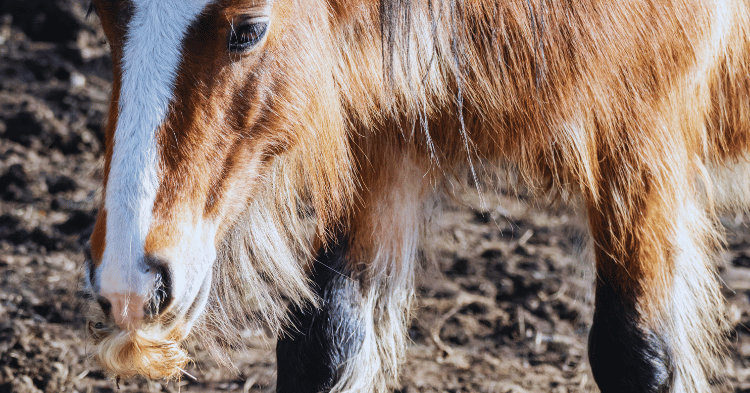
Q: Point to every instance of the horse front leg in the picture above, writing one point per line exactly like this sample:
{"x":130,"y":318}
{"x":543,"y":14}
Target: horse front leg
{"x":356,"y":339}
{"x":658,"y":321}
{"x":313,"y":355}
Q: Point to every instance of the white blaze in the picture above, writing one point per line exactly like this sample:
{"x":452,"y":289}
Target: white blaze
{"x":151,"y":57}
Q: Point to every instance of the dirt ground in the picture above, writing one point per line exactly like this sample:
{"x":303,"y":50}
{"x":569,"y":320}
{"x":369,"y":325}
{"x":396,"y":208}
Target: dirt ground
{"x":506,"y":310}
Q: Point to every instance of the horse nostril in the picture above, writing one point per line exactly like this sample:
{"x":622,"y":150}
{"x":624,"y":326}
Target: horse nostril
{"x":161,"y":297}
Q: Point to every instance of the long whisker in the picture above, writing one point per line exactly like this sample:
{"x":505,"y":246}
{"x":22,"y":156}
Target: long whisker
{"x":187,"y":374}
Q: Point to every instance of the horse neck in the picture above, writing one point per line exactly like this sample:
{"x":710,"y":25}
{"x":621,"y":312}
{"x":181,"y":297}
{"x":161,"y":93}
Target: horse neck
{"x":408,"y":70}
{"x":428,"y":60}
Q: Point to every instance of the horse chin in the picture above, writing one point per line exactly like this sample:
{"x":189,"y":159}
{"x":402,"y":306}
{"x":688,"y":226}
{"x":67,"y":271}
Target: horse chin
{"x":130,"y":353}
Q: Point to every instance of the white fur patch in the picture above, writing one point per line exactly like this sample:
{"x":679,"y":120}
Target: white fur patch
{"x":152,"y":54}
{"x":399,"y":214}
{"x":730,"y":181}
{"x":694,"y":321}
{"x":191,"y":278}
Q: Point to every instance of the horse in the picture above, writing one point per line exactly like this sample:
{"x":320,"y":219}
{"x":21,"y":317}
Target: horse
{"x":272,"y":163}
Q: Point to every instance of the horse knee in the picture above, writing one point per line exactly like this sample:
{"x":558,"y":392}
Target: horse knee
{"x":626,"y":357}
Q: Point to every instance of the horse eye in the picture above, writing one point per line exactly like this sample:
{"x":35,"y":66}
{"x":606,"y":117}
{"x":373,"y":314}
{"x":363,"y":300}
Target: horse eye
{"x":248,"y":33}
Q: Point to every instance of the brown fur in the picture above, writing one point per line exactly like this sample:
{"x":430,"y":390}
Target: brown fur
{"x":633,"y":105}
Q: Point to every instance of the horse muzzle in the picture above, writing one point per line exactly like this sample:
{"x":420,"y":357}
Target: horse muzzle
{"x":139,"y":332}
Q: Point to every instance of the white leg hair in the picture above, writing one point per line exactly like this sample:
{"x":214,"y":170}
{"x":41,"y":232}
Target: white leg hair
{"x":395,"y":219}
{"x":695,"y":322}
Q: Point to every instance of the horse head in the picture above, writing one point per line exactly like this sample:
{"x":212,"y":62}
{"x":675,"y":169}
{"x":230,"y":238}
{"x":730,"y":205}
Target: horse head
{"x":211,"y":116}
